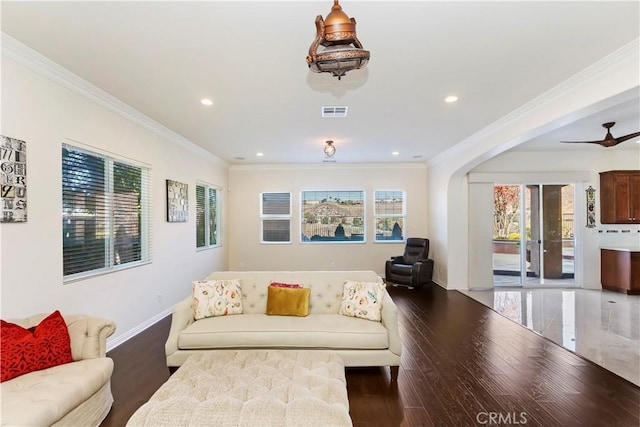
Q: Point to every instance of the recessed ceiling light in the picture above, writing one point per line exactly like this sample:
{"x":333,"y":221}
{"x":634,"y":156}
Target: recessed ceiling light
{"x":451,"y":98}
{"x":206,"y":101}
{"x":259,"y":154}
{"x":396,"y":153}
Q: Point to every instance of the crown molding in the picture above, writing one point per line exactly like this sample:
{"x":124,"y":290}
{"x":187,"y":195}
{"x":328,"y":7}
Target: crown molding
{"x":627,"y":54}
{"x":331,"y":166}
{"x":34,"y":61}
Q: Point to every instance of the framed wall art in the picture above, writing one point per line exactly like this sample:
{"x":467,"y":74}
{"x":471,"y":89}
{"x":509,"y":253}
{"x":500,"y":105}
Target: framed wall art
{"x":177,"y":201}
{"x":13,"y":180}
{"x":591,"y":207}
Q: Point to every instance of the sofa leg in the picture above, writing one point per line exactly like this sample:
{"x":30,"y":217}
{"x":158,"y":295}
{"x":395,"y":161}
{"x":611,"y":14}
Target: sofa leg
{"x":394,"y":372}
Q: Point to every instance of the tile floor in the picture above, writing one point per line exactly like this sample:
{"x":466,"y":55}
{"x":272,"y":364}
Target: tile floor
{"x":601,"y":326}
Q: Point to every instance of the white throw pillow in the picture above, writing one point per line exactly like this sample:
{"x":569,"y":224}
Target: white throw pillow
{"x":216,"y":298}
{"x":362,"y":299}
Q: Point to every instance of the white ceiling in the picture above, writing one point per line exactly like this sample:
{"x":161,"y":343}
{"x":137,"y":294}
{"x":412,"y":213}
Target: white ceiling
{"x":249,"y":57}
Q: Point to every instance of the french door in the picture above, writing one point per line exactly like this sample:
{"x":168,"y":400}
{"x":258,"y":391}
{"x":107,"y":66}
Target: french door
{"x":533,"y":236}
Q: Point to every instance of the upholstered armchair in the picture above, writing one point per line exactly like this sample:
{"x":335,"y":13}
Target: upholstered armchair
{"x":413,"y":268}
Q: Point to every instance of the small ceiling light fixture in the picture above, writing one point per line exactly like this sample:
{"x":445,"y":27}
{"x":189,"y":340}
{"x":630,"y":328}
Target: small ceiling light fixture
{"x":329,"y":149}
{"x":395,"y":153}
{"x":451,"y":98}
{"x":206,"y":101}
{"x":259,"y":154}
{"x":342,"y":51}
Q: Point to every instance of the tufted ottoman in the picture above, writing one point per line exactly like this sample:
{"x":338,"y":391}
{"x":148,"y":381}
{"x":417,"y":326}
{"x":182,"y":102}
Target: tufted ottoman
{"x":251,"y":388}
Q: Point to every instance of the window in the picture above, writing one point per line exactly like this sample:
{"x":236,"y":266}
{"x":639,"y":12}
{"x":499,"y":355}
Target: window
{"x":105,"y":213}
{"x":332,"y":216}
{"x":207,"y":216}
{"x":275,"y":213}
{"x":389,"y":212}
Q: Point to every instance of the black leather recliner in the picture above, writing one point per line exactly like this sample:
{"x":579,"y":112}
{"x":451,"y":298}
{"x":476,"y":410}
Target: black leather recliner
{"x":413,"y":268}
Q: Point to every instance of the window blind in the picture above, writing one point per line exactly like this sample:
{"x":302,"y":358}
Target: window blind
{"x":206,"y":216}
{"x":275,"y":211}
{"x":389,"y":212}
{"x":105,"y":213}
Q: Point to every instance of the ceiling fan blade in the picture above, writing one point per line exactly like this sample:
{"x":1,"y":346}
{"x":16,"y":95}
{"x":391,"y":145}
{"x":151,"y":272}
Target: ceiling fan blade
{"x":584,"y":142}
{"x":609,"y":140}
{"x":630,"y":136}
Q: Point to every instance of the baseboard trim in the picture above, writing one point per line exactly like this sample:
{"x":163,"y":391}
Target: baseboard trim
{"x":120,"y":339}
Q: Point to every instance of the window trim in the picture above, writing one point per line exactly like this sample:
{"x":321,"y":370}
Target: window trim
{"x":275,"y":217}
{"x":403,"y":216}
{"x":334,"y":242}
{"x":218,"y":191}
{"x":146,"y":242}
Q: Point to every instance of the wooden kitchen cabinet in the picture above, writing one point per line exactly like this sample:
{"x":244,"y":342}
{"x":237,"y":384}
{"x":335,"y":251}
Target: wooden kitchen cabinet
{"x":620,"y":270}
{"x":620,"y":197}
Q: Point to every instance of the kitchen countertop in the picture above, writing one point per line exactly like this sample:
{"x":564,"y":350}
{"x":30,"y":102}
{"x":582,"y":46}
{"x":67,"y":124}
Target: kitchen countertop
{"x":622,"y":248}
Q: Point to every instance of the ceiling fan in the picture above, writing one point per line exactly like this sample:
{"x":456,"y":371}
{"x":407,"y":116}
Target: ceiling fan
{"x":609,"y":140}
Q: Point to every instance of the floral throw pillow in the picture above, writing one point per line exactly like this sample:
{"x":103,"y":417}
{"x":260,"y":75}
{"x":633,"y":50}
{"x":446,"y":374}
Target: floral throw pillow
{"x":216,"y":298}
{"x":362,"y":299}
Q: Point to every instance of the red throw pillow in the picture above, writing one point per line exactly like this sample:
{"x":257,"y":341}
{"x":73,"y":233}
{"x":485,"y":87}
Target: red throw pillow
{"x":26,"y":350}
{"x":285,"y":285}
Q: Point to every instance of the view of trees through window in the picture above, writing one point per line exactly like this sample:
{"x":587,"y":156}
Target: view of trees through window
{"x":506,"y":212}
{"x":101,"y":211}
{"x":389,"y":214}
{"x":206,"y":216}
{"x":332,"y":216}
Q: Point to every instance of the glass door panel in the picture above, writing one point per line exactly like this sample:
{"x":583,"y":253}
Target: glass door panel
{"x":507,"y":270}
{"x":549,"y":223}
{"x":533,"y":210}
{"x":541,"y":251}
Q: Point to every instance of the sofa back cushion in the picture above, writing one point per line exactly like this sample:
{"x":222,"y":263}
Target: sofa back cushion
{"x":326,"y":287}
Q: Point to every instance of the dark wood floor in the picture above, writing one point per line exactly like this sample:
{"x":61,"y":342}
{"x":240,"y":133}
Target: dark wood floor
{"x":462,"y":365}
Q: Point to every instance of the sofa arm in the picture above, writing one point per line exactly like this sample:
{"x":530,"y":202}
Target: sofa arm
{"x":390,"y":321}
{"x":181,"y":317}
{"x":88,"y":335}
{"x":422,"y":272}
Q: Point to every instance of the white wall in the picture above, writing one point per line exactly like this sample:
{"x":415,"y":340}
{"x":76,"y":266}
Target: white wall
{"x":611,"y":81}
{"x":44,"y":114}
{"x":480,"y":235}
{"x":246,"y":183}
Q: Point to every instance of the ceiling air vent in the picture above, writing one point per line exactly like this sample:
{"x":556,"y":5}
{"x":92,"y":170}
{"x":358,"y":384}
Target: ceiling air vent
{"x":334,"y":111}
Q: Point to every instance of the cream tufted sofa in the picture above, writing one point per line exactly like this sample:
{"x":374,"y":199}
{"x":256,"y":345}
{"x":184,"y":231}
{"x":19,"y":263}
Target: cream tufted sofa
{"x":73,"y":394}
{"x":358,"y":342}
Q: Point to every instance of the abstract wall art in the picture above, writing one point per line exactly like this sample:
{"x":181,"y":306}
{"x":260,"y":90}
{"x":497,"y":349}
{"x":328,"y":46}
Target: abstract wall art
{"x":177,"y":201}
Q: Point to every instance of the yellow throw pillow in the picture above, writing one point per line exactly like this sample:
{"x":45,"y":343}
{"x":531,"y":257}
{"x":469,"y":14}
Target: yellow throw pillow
{"x":288,"y":301}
